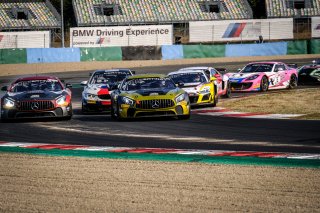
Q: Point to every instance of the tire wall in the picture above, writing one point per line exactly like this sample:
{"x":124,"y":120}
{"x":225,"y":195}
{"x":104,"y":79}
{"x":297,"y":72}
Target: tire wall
{"x":13,"y":56}
{"x":297,"y":47}
{"x":203,"y":51}
{"x":264,"y":49}
{"x":101,"y":54}
{"x":52,"y":55}
{"x":315,"y":46}
{"x":141,"y":53}
{"x":166,"y":52}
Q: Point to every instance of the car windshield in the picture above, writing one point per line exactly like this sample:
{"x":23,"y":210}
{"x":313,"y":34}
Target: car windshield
{"x":148,"y":83}
{"x":191,"y":77}
{"x":307,"y":70}
{"x":33,"y":85}
{"x":108,"y":77}
{"x":257,"y":68}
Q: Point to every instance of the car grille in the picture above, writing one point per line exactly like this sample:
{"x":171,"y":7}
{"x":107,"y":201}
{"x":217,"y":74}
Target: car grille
{"x":240,"y":86}
{"x":35,"y":105}
{"x":155,"y":104}
{"x":105,"y":97}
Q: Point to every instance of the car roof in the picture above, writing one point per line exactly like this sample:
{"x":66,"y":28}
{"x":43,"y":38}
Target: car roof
{"x":112,"y":70}
{"x":187,"y":71}
{"x":196,"y":68}
{"x":147,"y":76}
{"x":41,"y":77}
{"x":266,"y":62}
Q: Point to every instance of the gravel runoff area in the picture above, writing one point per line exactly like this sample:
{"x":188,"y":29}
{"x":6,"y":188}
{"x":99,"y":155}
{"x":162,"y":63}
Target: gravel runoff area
{"x":20,"y":69}
{"x":31,"y":183}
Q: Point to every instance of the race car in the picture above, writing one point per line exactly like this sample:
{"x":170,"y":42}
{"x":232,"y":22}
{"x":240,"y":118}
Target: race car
{"x":149,"y":95}
{"x":201,"y":89}
{"x":36,"y":96}
{"x":96,"y":93}
{"x":309,"y":74}
{"x":262,"y":76}
{"x":222,"y":80}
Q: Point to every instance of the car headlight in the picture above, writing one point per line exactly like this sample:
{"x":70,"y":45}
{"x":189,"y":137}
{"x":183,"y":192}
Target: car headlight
{"x":8,"y":103}
{"x":61,"y":100}
{"x":252,"y":77}
{"x":128,"y":101}
{"x":90,"y":96}
{"x":205,"y":90}
{"x":180,"y":98}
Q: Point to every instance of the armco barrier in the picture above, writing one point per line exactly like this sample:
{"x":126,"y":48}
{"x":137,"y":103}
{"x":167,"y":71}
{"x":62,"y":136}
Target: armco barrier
{"x":203,"y":51}
{"x":141,"y":53}
{"x":101,"y":54}
{"x":297,"y":47}
{"x":13,"y":56}
{"x":265,"y":49}
{"x":315,"y":46}
{"x":171,"y":52}
{"x":52,"y":55}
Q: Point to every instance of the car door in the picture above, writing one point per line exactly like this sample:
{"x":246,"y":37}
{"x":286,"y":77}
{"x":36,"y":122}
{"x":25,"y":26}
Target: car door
{"x":278,"y":76}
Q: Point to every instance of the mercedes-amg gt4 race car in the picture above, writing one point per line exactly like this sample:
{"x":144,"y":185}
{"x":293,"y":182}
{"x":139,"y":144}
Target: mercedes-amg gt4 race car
{"x":309,"y":74}
{"x":149,"y":95}
{"x":201,"y":89}
{"x":222,"y":80}
{"x":36,"y":96}
{"x":262,"y":76}
{"x":96,"y":94}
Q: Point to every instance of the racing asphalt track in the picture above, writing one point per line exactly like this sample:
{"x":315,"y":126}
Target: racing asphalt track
{"x":200,"y":132}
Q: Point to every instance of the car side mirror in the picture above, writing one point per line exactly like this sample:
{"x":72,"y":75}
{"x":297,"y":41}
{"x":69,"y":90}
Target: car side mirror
{"x":68,"y":85}
{"x":239,"y":70}
{"x":133,"y":72}
{"x":180,"y":84}
{"x":5,"y":88}
{"x":84,"y":83}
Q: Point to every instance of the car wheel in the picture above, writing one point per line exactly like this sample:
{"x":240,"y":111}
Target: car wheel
{"x":264,"y":84}
{"x":84,"y":109}
{"x":293,"y":82}
{"x":115,"y":113}
{"x":228,"y":91}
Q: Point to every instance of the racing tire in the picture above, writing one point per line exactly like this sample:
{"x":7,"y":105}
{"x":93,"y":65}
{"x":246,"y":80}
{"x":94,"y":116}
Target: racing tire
{"x":115,"y":115}
{"x":293,"y":82}
{"x":264,"y":84}
{"x":84,"y":110}
{"x":228,"y":91}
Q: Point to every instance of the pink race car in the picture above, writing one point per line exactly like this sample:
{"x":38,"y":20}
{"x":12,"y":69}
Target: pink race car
{"x":262,"y":76}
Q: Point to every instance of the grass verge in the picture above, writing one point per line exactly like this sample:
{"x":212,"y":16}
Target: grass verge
{"x":297,"y":101}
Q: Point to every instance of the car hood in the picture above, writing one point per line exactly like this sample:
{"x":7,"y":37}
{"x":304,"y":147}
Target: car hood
{"x":99,"y":89}
{"x":153,"y":92}
{"x":243,"y":75}
{"x":35,"y":95}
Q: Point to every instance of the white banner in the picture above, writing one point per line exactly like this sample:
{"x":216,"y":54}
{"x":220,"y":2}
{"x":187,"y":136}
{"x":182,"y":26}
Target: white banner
{"x":25,"y":39}
{"x":147,"y":35}
{"x":241,"y":30}
{"x":315,"y":22}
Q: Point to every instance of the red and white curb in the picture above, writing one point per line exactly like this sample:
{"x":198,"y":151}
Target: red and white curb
{"x":214,"y":153}
{"x":218,"y":111}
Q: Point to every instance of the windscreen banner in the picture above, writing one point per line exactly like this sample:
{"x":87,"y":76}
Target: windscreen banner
{"x":315,"y":22}
{"x":147,"y":35}
{"x":241,"y":30}
{"x":25,"y":39}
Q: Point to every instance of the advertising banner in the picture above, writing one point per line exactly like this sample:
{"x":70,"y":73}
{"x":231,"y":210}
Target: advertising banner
{"x":241,"y":30}
{"x":315,"y":22}
{"x":25,"y":39}
{"x":147,"y":35}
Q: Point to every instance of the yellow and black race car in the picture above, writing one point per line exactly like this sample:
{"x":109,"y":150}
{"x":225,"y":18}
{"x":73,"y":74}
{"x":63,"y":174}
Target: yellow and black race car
{"x":149,"y":95}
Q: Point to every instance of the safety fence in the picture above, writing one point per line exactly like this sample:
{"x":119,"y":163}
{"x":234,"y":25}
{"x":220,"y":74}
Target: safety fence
{"x":165,"y":52}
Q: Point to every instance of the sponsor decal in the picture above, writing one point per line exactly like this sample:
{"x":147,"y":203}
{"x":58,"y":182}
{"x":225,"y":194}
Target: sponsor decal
{"x":236,"y":30}
{"x":316,"y":28}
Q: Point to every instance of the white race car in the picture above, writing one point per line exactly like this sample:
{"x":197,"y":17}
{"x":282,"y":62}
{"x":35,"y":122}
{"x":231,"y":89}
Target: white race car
{"x":222,"y":80}
{"x":96,"y":94}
